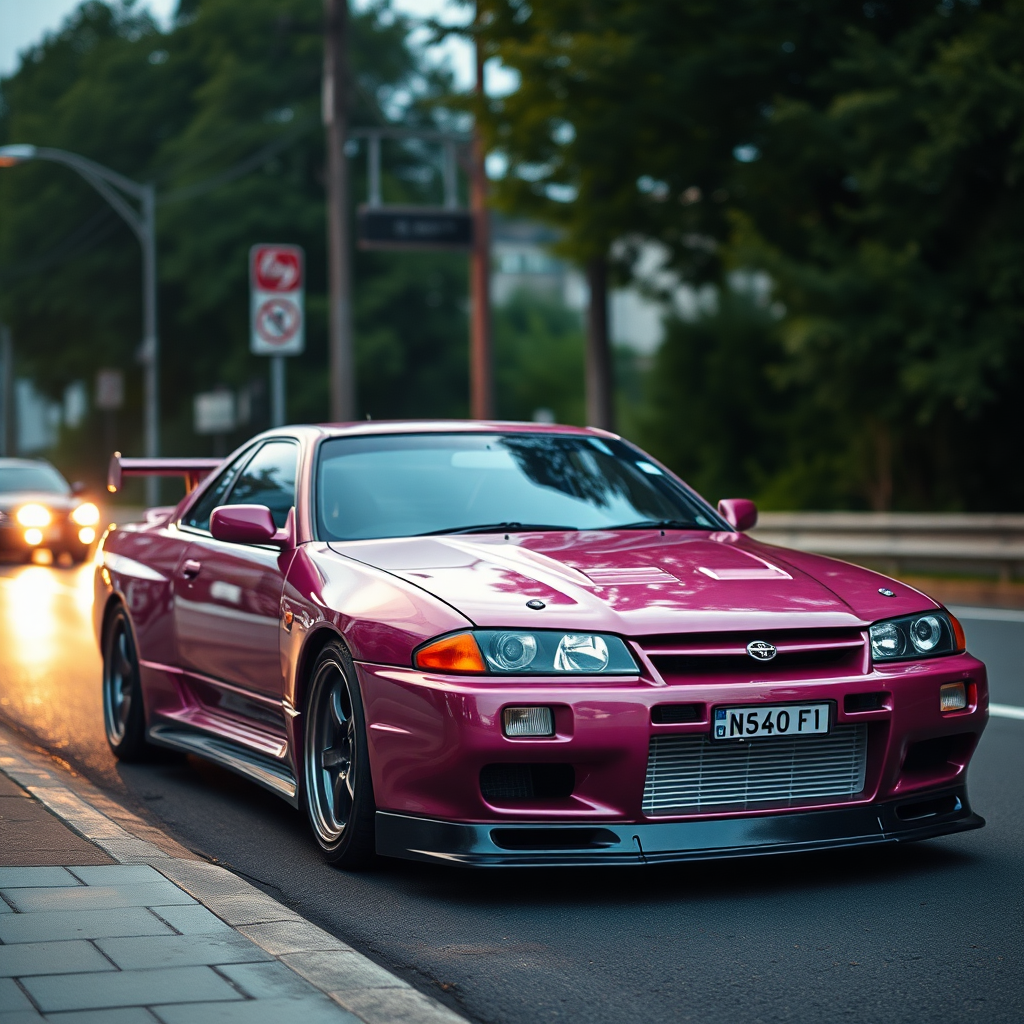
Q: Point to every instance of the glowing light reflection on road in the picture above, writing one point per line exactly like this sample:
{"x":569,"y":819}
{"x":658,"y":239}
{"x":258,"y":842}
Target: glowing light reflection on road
{"x":45,"y":616}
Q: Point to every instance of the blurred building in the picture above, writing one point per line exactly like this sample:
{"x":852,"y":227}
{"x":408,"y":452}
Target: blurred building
{"x":521,"y":260}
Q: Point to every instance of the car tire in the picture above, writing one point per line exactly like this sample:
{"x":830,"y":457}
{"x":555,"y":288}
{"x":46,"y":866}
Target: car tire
{"x":336,"y":785}
{"x":124,"y":715}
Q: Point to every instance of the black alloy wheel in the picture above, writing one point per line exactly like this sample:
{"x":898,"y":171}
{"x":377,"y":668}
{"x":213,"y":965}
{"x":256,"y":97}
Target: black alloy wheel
{"x":124,"y":716}
{"x":336,"y":784}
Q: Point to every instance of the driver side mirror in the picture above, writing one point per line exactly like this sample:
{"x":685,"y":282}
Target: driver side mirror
{"x":739,"y":513}
{"x":245,"y":524}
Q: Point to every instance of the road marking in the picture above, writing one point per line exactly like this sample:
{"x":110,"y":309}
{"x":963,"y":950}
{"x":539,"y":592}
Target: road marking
{"x":1006,"y":711}
{"x":992,"y":614}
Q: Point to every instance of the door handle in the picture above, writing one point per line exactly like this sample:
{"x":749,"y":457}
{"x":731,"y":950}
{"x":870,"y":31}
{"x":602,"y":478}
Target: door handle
{"x":190,"y":568}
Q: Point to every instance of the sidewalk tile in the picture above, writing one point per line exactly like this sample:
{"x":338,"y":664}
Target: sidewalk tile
{"x":397,"y":1006}
{"x":5,"y":907}
{"x":180,"y":951}
{"x":36,"y":878}
{"x":193,"y":920}
{"x":95,"y":897}
{"x":266,"y":981}
{"x":118,"y":874}
{"x":80,"y":924}
{"x":25,"y":958}
{"x":279,"y":937}
{"x":336,"y":972}
{"x":128,"y":988}
{"x":311,"y":1010}
{"x":22,"y":1017}
{"x":11,"y":997}
{"x":129,"y":1015}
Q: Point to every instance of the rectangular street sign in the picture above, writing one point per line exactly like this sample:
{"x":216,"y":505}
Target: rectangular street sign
{"x":277,"y":290}
{"x":414,"y":227}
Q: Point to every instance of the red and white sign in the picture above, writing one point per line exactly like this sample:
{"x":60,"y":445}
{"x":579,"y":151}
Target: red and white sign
{"x":277,"y":292}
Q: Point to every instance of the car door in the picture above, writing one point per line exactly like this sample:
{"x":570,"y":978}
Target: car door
{"x":227,"y":603}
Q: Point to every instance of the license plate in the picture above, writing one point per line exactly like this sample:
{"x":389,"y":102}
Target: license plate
{"x":766,"y":720}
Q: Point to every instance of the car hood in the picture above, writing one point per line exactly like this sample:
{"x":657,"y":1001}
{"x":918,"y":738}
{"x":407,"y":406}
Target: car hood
{"x":637,"y":582}
{"x":11,"y":500}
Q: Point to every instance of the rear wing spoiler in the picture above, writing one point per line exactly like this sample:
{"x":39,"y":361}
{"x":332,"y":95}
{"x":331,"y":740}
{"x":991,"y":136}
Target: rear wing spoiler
{"x":193,"y":470}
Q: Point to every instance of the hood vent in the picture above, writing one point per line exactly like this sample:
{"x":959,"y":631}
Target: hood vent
{"x":621,"y":577}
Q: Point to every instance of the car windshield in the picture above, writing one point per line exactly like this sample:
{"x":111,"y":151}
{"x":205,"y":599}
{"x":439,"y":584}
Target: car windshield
{"x":41,"y":479}
{"x":420,"y":484}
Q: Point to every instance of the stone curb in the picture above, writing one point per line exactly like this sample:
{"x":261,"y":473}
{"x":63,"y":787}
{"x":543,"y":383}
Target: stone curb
{"x":351,"y":980}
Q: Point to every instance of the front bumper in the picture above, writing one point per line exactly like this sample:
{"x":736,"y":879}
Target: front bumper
{"x":531,"y":844}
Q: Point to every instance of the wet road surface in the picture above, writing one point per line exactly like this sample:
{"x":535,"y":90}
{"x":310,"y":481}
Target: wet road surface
{"x":927,"y":932}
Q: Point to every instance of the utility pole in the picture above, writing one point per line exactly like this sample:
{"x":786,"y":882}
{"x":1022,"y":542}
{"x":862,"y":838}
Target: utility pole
{"x":6,"y":391}
{"x":339,"y":269}
{"x":599,"y":374}
{"x":481,"y":370}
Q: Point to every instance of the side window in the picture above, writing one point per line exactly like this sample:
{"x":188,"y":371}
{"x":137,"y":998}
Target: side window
{"x":198,"y":515}
{"x":269,"y":479}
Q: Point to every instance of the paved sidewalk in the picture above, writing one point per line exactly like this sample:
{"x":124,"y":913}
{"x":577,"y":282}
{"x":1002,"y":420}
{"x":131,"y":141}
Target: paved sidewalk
{"x":100,"y":926}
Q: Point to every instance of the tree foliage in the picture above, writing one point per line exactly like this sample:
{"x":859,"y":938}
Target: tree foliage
{"x":867,"y":156}
{"x":222,"y":111}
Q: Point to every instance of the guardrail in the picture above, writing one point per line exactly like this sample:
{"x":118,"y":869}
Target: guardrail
{"x":901,"y":542}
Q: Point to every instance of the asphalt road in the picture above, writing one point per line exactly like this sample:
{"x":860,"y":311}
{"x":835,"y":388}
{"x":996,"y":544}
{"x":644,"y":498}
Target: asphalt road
{"x":928,"y":932}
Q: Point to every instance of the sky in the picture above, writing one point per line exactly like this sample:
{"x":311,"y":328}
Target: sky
{"x":25,"y":22}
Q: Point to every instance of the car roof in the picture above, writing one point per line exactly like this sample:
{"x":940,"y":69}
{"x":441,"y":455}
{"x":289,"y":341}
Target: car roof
{"x":364,"y":427}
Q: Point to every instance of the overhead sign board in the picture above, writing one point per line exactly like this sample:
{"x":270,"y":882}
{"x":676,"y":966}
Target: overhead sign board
{"x":414,"y":227}
{"x":277,"y":293}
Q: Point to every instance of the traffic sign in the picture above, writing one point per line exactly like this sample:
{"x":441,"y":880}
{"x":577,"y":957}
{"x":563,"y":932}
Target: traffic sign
{"x":411,"y":227}
{"x":277,"y":293}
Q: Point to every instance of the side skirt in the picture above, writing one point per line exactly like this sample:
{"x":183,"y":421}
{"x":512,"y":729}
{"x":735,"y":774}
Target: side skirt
{"x":262,"y":770}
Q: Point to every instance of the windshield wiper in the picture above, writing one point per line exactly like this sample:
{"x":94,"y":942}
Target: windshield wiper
{"x":497,"y":528}
{"x":655,"y":524}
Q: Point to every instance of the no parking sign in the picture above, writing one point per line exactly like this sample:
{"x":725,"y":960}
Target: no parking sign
{"x":277,"y":313}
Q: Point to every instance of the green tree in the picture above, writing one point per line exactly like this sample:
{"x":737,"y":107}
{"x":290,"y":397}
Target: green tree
{"x":222,"y":111}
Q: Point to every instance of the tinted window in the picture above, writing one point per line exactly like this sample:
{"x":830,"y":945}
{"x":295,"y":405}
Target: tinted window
{"x":269,"y":479}
{"x":41,"y":479}
{"x":398,"y":486}
{"x":199,"y":515}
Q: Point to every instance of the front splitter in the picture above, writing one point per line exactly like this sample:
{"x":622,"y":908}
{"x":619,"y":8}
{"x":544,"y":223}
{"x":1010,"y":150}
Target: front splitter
{"x":567,"y":845}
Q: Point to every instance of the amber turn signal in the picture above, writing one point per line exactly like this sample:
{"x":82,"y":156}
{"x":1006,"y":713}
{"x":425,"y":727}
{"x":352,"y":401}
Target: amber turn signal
{"x":959,"y":639}
{"x":458,"y":653}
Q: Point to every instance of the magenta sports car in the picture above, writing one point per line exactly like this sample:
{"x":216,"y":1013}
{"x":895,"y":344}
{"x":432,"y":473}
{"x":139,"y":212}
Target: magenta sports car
{"x":520,"y":644}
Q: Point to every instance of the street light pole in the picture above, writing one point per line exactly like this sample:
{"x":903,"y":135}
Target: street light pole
{"x":481,"y":372}
{"x":114,"y":187}
{"x":339,"y":270}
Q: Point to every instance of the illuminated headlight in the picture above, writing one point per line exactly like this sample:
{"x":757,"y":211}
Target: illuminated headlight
{"x":542,"y":652}
{"x":34,"y":516}
{"x":916,"y":636}
{"x":86,"y":535}
{"x":87,"y":514}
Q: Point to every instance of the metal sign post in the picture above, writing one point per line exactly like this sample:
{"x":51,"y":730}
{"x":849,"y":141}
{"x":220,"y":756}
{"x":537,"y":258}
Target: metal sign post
{"x":277,"y":314}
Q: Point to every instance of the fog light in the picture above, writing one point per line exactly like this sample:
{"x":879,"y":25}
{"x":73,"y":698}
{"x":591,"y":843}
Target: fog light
{"x":529,"y":722}
{"x":33,"y":537}
{"x":86,"y":534}
{"x":952,"y":697}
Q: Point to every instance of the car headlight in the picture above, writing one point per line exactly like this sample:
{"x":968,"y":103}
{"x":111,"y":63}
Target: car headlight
{"x":34,"y":515}
{"x":87,"y":514}
{"x":527,"y":652}
{"x":916,"y":636}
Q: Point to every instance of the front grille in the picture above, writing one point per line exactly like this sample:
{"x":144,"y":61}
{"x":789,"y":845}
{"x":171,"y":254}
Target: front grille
{"x":802,"y":653}
{"x":689,"y":773}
